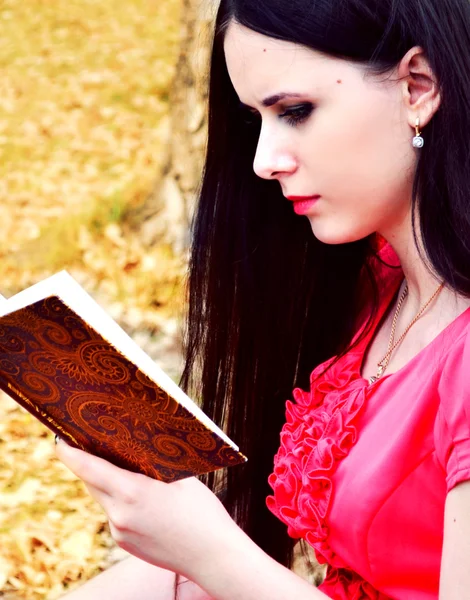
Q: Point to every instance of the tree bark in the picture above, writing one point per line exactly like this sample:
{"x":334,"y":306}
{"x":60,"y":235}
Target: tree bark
{"x":166,"y":214}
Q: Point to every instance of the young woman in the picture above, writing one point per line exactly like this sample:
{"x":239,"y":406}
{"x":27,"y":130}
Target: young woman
{"x":333,"y":221}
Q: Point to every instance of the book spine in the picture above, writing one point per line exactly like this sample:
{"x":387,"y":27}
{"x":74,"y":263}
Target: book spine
{"x":38,"y":413}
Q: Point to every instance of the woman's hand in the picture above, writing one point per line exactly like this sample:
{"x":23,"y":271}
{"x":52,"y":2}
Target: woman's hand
{"x":184,"y":528}
{"x":180,"y":526}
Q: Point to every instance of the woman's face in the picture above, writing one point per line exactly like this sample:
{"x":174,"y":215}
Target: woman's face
{"x":328,"y":130}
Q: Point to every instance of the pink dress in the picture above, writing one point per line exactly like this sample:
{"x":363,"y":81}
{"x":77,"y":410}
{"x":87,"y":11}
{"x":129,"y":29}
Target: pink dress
{"x":363,"y":470}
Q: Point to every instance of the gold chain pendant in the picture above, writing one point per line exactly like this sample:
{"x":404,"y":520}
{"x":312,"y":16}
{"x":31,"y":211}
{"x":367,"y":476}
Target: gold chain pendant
{"x":383,"y":364}
{"x":380,"y":371}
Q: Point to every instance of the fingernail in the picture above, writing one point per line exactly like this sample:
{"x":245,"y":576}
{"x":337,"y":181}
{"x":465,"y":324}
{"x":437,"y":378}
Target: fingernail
{"x":56,"y":439}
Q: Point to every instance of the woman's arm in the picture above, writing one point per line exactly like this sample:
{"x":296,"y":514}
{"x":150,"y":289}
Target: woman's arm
{"x":134,"y":579}
{"x":184,"y":528}
{"x":231,"y":578}
{"x":244,"y":572}
{"x":455,"y":571}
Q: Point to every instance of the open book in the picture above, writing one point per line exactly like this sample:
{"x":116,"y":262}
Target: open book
{"x":65,"y":360}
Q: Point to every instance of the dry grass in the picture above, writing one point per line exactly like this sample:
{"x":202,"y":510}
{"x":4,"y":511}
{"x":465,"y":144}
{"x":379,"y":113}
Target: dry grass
{"x":83,"y":100}
{"x":52,"y":533}
{"x":83,"y":105}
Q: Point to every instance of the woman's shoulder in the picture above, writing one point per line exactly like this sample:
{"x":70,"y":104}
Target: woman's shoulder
{"x":452,"y":426}
{"x":455,"y":361}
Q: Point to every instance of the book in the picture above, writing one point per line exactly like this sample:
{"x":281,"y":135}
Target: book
{"x":66,"y":361}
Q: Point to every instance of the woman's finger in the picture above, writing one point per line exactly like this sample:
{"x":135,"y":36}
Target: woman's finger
{"x":104,"y":499}
{"x":103,"y":476}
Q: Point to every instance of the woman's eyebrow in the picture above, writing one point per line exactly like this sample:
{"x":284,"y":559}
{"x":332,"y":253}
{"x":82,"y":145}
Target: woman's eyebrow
{"x":272,"y":100}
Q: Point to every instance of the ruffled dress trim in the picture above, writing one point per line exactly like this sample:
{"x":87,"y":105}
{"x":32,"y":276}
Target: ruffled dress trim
{"x":343,"y":584}
{"x":320,"y":430}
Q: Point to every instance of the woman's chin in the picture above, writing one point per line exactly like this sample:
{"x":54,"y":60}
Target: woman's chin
{"x":332,"y":234}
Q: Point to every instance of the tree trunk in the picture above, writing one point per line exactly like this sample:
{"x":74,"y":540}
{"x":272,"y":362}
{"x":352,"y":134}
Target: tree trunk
{"x":167,"y":212}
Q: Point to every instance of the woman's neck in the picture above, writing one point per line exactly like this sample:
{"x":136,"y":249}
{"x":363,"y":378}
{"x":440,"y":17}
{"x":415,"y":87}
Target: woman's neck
{"x":421,"y":281}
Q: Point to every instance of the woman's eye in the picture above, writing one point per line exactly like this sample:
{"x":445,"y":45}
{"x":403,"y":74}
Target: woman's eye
{"x":295,"y":115}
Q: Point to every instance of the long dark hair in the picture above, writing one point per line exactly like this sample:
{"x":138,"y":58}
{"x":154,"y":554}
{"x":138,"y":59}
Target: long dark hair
{"x":267,"y":301}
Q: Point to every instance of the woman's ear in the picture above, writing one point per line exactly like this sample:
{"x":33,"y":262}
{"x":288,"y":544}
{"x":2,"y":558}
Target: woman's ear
{"x":420,"y":88}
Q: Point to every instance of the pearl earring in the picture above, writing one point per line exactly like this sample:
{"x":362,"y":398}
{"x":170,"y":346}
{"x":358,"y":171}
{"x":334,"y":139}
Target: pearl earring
{"x":418,"y":141}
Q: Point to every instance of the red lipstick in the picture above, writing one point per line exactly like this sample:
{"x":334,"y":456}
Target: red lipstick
{"x":303,"y":204}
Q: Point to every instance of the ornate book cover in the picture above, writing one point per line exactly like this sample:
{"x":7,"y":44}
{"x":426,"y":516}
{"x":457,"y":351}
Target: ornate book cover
{"x":57,"y":366}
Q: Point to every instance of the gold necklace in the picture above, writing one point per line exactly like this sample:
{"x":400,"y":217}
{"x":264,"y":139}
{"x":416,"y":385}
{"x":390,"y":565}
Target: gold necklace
{"x":383,"y":364}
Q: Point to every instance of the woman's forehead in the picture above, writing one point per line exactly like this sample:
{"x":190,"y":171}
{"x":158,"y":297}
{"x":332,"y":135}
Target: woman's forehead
{"x":260,"y":65}
{"x":244,"y":44}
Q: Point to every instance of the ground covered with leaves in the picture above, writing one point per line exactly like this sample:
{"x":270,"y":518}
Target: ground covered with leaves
{"x":83,"y":115}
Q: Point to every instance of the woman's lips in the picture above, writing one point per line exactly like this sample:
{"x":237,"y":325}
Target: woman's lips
{"x":303,"y":204}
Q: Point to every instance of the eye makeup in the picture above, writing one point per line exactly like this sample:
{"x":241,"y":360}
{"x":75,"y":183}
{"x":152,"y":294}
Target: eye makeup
{"x":295,"y":115}
{"x":292,"y":115}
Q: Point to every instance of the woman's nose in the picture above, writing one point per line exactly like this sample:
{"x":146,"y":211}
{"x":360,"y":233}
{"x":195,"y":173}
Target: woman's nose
{"x":271,"y":161}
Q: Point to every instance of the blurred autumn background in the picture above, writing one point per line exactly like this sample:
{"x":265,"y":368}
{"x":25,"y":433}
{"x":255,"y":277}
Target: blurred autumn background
{"x":102,"y":129}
